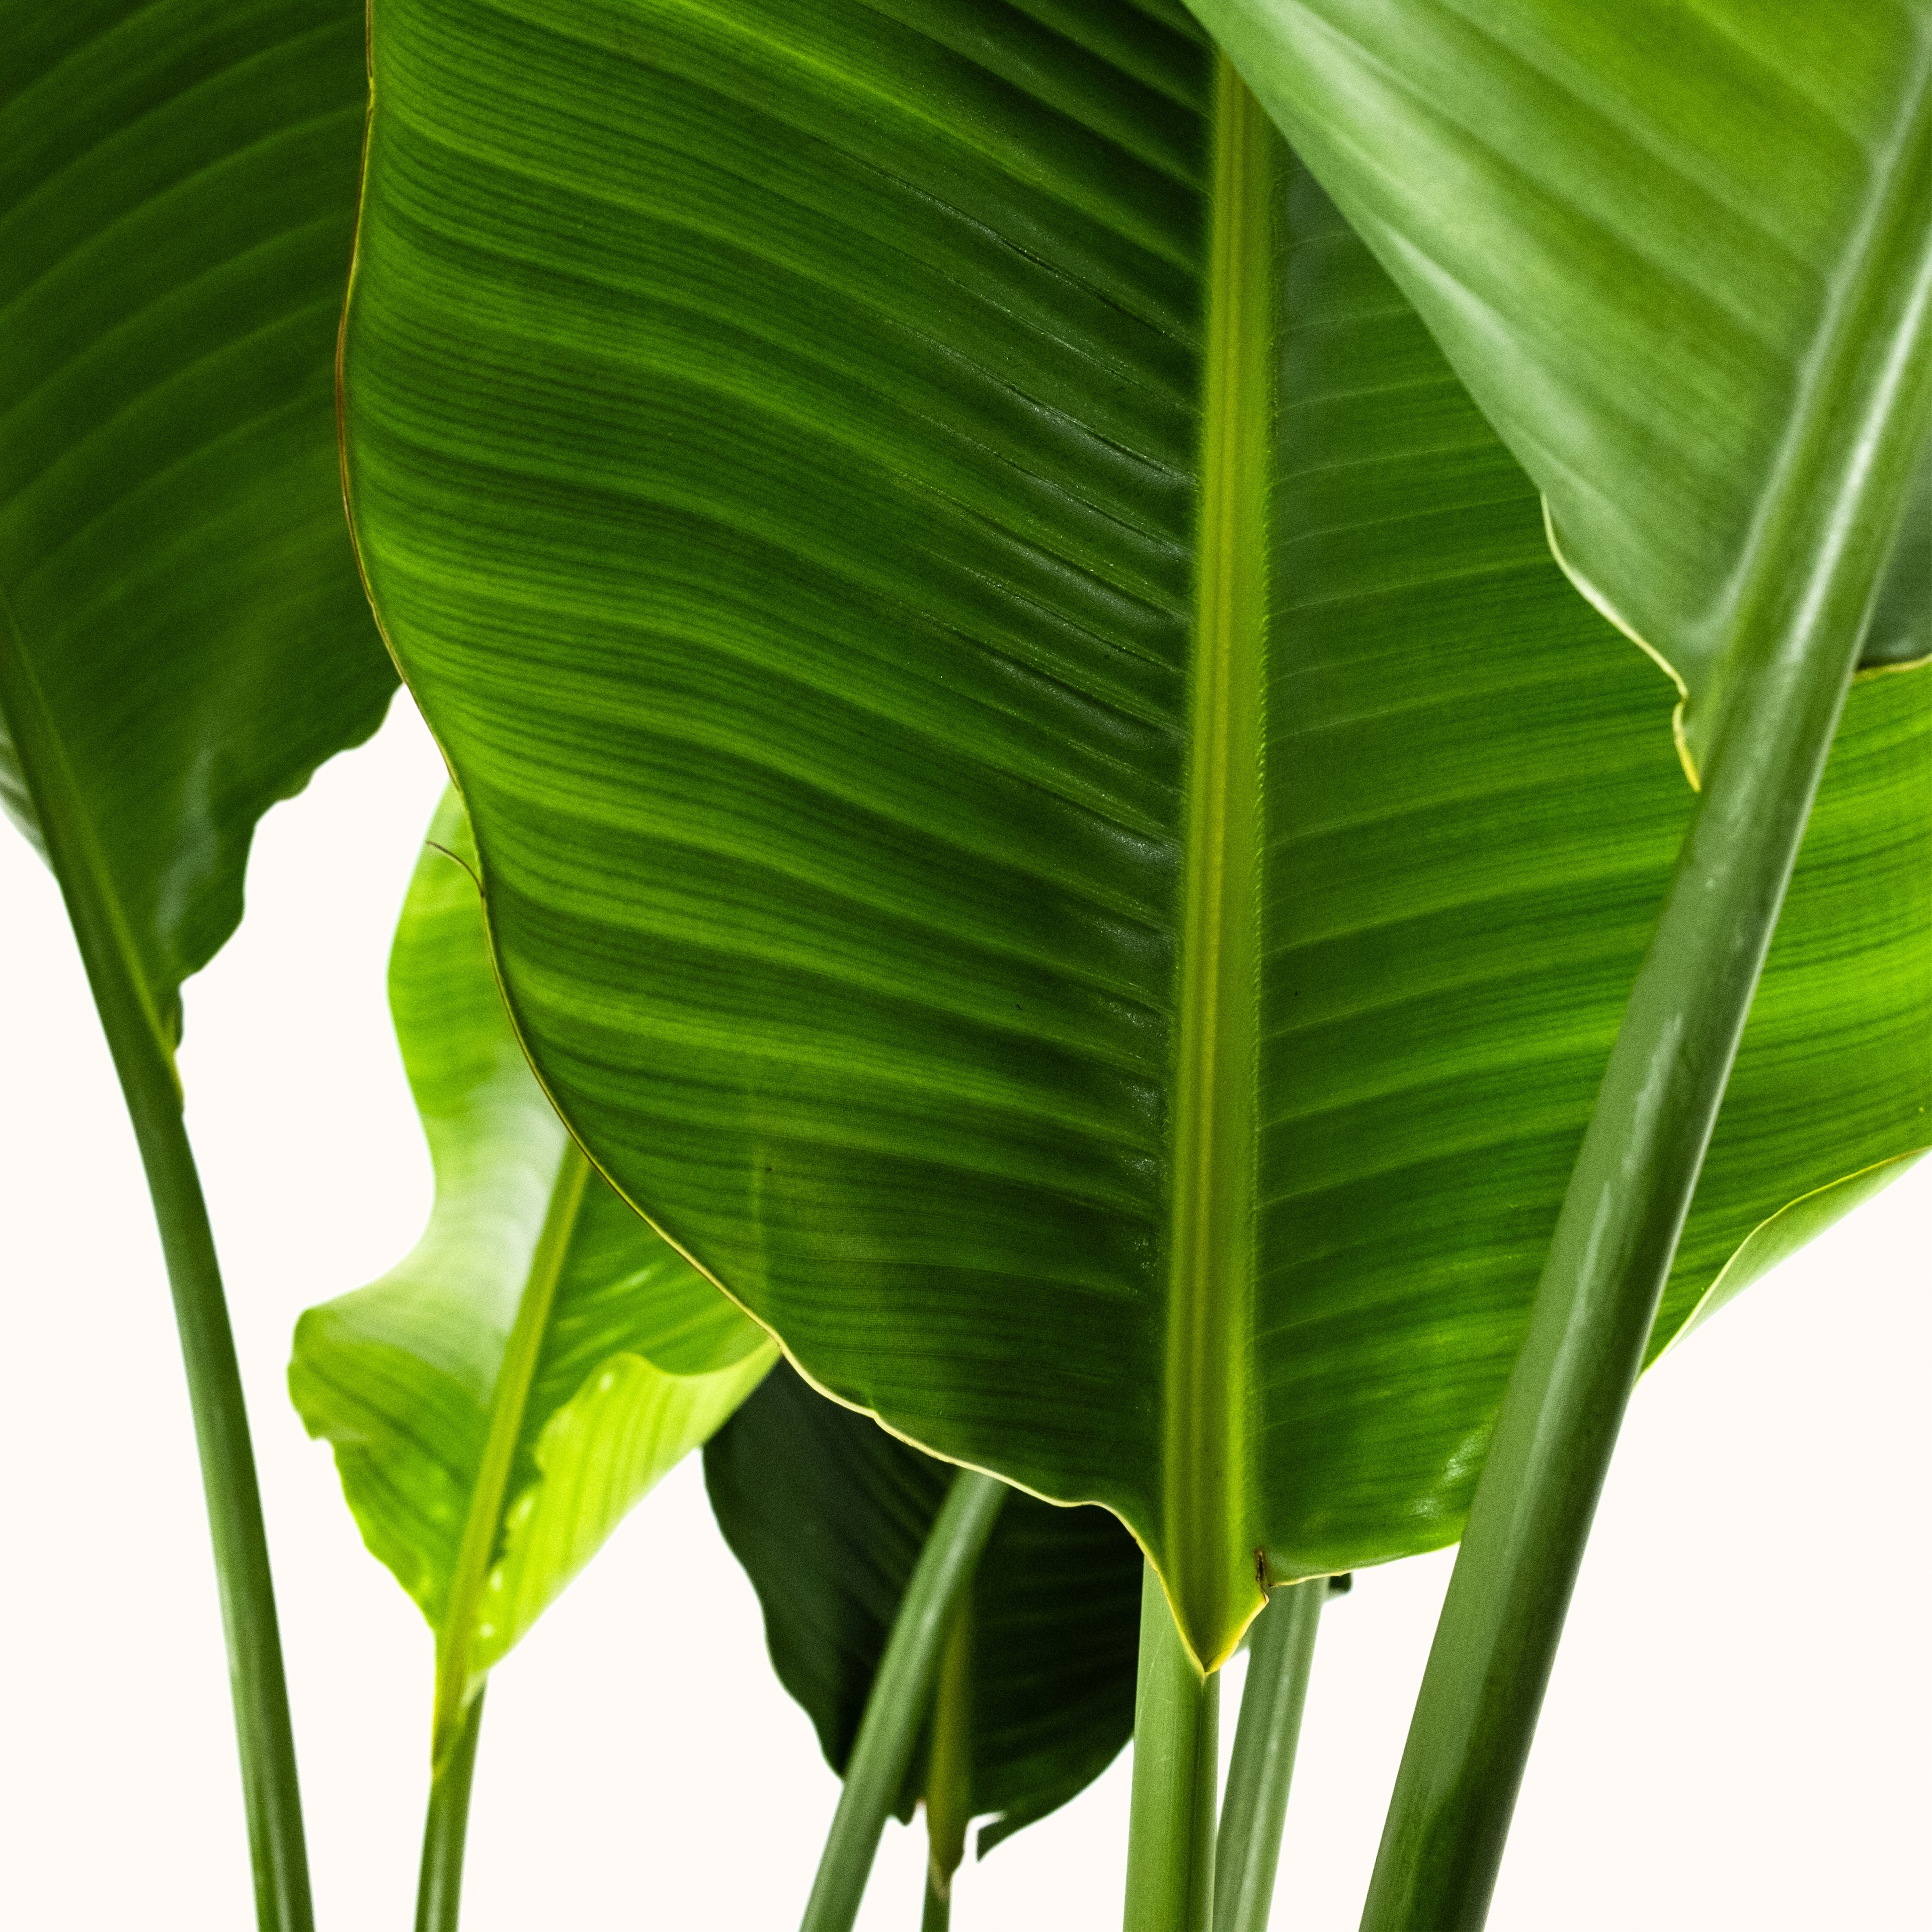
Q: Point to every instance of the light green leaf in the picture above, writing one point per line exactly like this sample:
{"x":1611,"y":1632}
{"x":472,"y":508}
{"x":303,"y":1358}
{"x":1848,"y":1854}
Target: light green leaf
{"x":503,"y":1397}
{"x":1046,"y":811}
{"x":178,"y":184}
{"x":1677,"y":250}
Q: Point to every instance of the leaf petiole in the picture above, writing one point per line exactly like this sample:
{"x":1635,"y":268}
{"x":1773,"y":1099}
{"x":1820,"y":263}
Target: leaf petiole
{"x":937,"y":1915}
{"x":1248,"y":1847}
{"x":1170,"y":1831}
{"x":143,"y":1056}
{"x":439,"y":1886}
{"x":876,"y":1772}
{"x":949,"y":1775}
{"x":1614,"y":1241}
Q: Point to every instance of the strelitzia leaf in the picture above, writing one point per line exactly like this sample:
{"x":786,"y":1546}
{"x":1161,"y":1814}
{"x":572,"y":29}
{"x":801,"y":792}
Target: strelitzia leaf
{"x":501,"y":1398}
{"x":183,"y":636}
{"x":1048,"y":813}
{"x":1678,"y":252}
{"x":828,"y":1514}
{"x":177,"y":202}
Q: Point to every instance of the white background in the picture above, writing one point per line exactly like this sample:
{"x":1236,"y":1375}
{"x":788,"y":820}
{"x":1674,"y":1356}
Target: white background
{"x":1736,"y":1736}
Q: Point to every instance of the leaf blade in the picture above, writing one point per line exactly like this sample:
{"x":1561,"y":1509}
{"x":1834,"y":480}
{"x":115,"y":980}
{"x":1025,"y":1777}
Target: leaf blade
{"x":851,"y":941}
{"x":501,"y":1399}
{"x":1689,"y":328}
{"x":177,"y":200}
{"x":827,"y":1513}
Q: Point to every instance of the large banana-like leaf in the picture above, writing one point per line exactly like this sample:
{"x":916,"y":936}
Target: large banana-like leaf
{"x":500,"y":1398}
{"x":183,"y":636}
{"x":1678,"y":250}
{"x":1044,"y":809}
{"x":178,"y":183}
{"x":828,"y":1514}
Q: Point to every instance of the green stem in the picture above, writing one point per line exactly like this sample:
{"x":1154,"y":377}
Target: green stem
{"x":937,"y":1916}
{"x":1280,"y":1651}
{"x":143,"y":1056}
{"x":1631,"y":1188}
{"x":1829,"y":518}
{"x":1476,"y":1715}
{"x":1170,"y":1828}
{"x":876,"y":1773}
{"x":439,"y":1886}
{"x":949,"y":1770}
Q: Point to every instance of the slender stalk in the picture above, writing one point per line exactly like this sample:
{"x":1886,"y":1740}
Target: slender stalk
{"x":949,"y":1771}
{"x":142,"y":1050}
{"x":1476,"y":1715}
{"x":937,"y":1916}
{"x":1804,"y":607}
{"x":1171,"y":1826}
{"x":439,"y":1885}
{"x":1280,"y":1651}
{"x":876,"y":1773}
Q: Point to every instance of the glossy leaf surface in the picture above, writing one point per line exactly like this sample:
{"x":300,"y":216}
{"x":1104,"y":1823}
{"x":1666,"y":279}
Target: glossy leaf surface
{"x":500,"y":1399}
{"x":177,"y":185}
{"x":1045,"y":810}
{"x":828,"y":1514}
{"x":1677,"y":251}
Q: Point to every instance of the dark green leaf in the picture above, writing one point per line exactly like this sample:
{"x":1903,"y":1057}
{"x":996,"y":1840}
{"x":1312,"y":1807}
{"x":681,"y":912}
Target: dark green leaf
{"x":828,"y":1514}
{"x":177,"y":185}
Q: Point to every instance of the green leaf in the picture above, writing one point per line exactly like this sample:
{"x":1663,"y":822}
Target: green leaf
{"x":828,"y":1514}
{"x":183,"y":636}
{"x":1678,"y":252}
{"x":1782,"y":1234}
{"x":1100,"y":925}
{"x":177,"y":185}
{"x":1901,"y":625}
{"x":499,"y":1400}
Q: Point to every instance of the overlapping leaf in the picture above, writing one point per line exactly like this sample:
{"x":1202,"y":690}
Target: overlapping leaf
{"x":828,"y":1514}
{"x":1677,"y":249}
{"x":500,"y":1399}
{"x":178,"y":184}
{"x":1046,"y":811}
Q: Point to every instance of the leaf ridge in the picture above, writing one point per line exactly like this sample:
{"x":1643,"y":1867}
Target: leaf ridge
{"x":767,"y":54}
{"x":456,"y":1640}
{"x":134,"y":132}
{"x":1207,"y":1459}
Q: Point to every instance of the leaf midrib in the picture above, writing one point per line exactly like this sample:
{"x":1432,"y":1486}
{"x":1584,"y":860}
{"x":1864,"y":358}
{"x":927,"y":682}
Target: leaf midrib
{"x":456,"y":1636}
{"x":1210,"y":1311}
